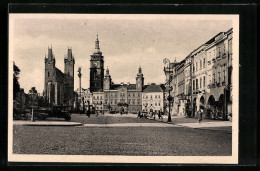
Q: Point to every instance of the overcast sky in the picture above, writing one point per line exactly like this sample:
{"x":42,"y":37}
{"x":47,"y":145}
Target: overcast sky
{"x":125,"y":43}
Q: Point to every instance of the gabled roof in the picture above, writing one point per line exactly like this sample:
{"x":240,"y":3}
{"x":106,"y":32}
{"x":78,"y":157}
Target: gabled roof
{"x":153,"y":88}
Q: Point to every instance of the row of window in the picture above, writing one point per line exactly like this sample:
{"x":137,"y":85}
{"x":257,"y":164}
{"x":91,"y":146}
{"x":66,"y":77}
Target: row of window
{"x":200,"y":83}
{"x":97,"y":97}
{"x":155,"y":104}
{"x":130,"y":102}
{"x":218,"y":79}
{"x":151,"y":96}
{"x":195,"y":67}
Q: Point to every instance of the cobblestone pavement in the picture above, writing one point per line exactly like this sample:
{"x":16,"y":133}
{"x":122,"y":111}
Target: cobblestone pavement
{"x":152,"y":141}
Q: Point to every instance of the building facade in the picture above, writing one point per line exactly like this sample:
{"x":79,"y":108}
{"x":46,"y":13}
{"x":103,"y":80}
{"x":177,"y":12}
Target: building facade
{"x":123,"y":97}
{"x":153,"y":98}
{"x":58,"y":86}
{"x":204,"y":78}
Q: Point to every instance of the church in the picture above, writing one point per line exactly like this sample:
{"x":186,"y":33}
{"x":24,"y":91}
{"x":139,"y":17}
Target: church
{"x":59,"y":86}
{"x":116,"y":97}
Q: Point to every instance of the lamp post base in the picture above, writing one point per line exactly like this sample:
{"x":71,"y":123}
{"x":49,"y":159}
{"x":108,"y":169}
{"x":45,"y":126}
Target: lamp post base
{"x":169,"y":119}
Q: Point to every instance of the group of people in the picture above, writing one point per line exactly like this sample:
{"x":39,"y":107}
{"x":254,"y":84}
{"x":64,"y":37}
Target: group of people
{"x":152,"y":114}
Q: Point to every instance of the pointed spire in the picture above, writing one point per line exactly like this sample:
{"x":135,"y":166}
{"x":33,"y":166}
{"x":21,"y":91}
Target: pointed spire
{"x":50,"y":54}
{"x":69,"y":54}
{"x":140,"y":69}
{"x":107,"y":71}
{"x":97,"y":49}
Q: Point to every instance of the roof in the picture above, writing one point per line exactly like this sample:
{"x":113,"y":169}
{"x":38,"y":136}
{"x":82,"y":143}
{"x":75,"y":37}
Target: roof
{"x":59,"y":74}
{"x":128,"y":86}
{"x":153,"y":88}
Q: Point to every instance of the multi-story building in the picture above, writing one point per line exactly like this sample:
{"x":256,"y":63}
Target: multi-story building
{"x":153,"y":98}
{"x":123,"y":97}
{"x":198,"y":78}
{"x":207,"y":77}
{"x":98,"y":101}
{"x":221,"y":61}
{"x":188,"y":81}
{"x":171,"y":82}
{"x":181,"y":89}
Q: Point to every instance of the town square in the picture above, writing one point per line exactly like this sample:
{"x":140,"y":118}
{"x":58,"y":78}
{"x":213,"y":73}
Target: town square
{"x":123,"y":86}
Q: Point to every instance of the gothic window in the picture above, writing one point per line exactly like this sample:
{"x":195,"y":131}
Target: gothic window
{"x":200,"y":64}
{"x":204,"y":62}
{"x":200,"y":81}
{"x":156,"y":96}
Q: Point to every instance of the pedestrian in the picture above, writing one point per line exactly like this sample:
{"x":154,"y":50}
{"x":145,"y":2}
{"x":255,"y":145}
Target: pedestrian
{"x":200,"y":112}
{"x":88,"y":113}
{"x":139,"y":114}
{"x":159,"y":114}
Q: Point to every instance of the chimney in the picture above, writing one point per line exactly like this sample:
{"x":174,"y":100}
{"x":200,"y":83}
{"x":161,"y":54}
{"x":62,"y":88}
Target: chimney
{"x":122,"y":83}
{"x":128,"y":83}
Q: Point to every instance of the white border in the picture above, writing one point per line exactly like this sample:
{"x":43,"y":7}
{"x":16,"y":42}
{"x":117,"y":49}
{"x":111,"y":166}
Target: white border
{"x":129,"y":159}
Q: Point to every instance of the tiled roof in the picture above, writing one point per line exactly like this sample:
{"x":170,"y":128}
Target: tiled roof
{"x":153,"y":88}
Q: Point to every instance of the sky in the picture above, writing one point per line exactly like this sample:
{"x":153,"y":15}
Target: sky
{"x":126,"y":41}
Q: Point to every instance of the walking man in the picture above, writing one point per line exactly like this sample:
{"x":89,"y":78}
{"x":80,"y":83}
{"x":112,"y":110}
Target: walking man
{"x":200,"y":112}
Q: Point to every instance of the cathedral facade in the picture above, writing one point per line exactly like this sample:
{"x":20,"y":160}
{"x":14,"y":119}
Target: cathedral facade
{"x":59,"y":86}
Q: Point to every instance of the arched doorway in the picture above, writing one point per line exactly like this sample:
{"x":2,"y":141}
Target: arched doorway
{"x":220,"y":106}
{"x":202,"y":101}
{"x":211,"y":107}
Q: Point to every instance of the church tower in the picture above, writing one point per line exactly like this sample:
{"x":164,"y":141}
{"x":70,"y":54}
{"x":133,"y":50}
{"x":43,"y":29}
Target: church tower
{"x":107,"y":80}
{"x":139,"y":80}
{"x":69,"y":63}
{"x":96,"y":69}
{"x":49,"y":68}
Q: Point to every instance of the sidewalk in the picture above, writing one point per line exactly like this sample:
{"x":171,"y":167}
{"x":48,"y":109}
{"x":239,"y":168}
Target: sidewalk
{"x":46,"y":123}
{"x":193,"y":123}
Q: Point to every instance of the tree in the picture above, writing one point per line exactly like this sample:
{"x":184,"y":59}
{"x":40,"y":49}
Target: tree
{"x":16,"y":85}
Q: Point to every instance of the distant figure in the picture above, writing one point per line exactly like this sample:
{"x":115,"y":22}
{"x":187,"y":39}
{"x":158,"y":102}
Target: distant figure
{"x":200,"y":112}
{"x":88,"y":113}
{"x":159,"y":114}
{"x":139,"y":114}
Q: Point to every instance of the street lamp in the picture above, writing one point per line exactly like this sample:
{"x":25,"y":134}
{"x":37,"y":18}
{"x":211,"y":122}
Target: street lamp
{"x":169,"y":98}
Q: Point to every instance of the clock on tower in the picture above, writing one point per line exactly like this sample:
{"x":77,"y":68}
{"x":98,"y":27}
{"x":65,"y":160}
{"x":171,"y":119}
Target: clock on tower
{"x":96,"y":69}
